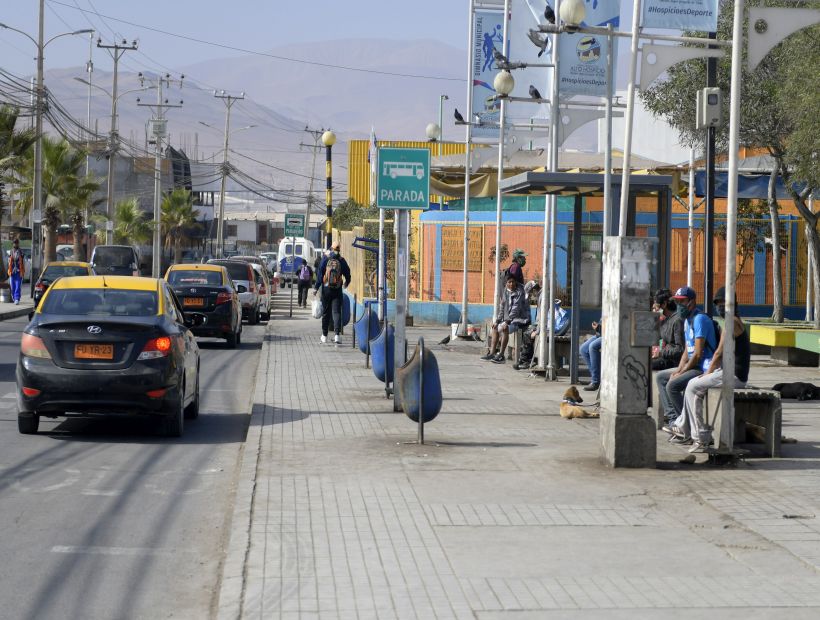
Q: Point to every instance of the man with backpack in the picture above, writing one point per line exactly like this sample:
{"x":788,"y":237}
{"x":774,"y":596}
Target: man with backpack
{"x":332,"y":277}
{"x":304,"y":279}
{"x":701,"y":343}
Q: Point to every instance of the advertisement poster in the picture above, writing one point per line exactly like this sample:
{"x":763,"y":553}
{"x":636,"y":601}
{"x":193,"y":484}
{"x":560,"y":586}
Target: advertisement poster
{"x":582,"y":57}
{"x":488,"y":28}
{"x":527,"y":15}
{"x":681,"y":14}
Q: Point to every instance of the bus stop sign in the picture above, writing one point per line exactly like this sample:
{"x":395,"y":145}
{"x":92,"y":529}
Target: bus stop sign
{"x":294,"y":224}
{"x":403,"y":179}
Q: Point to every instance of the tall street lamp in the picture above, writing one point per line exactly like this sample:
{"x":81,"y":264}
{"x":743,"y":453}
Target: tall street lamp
{"x":329,"y":139}
{"x":38,"y":126}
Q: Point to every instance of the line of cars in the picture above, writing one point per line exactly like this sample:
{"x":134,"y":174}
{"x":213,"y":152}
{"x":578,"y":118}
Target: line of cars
{"x":101,"y":344}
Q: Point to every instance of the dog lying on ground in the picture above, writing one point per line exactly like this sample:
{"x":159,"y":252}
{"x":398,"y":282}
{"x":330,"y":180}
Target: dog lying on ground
{"x":570,"y":407}
{"x":798,"y":390}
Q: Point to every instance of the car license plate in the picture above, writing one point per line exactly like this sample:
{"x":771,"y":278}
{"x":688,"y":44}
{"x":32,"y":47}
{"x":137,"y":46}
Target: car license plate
{"x":193,"y":301}
{"x":94,"y":351}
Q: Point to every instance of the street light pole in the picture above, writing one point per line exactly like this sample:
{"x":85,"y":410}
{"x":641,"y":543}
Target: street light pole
{"x":116,"y":50}
{"x":37,"y":211}
{"x":329,"y":139}
{"x":220,"y":225}
{"x":467,"y":162}
{"x":441,"y":100}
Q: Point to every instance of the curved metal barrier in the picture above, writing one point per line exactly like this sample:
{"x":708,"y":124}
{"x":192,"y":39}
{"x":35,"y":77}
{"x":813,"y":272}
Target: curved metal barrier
{"x":419,"y":383}
{"x":381,"y":350}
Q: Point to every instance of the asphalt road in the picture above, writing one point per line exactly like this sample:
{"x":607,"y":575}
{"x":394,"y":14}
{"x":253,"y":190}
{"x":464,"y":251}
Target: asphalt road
{"x":107,"y":519}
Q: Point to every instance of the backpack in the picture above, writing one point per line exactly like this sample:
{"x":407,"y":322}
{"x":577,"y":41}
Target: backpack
{"x":333,"y":273}
{"x":304,"y":273}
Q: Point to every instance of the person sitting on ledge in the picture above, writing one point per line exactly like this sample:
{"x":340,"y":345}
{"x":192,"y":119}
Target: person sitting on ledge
{"x":513,"y":314}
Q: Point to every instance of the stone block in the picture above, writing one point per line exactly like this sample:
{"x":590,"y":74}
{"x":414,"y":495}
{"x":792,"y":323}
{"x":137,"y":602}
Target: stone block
{"x":628,"y":440}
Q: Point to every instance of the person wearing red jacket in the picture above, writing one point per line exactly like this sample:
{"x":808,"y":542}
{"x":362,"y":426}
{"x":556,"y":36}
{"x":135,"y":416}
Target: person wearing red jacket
{"x":17,"y":269}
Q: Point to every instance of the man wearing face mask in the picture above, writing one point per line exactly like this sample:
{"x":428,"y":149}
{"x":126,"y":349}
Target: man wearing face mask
{"x":690,"y":422}
{"x":701,"y":343}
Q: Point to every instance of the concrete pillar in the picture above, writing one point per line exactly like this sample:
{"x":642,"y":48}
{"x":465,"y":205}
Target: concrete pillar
{"x":628,"y":434}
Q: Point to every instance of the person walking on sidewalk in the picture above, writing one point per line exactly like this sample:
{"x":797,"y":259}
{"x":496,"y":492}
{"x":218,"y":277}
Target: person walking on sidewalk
{"x":305,"y":280}
{"x":17,"y":269}
{"x":333,"y":276}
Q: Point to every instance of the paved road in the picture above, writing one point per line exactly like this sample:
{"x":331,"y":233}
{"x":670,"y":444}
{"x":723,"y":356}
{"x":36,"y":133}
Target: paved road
{"x":106,"y":519}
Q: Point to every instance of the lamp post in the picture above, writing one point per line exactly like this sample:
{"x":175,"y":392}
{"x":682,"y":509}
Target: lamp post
{"x":38,"y":126}
{"x":441,"y":100}
{"x":329,"y":139}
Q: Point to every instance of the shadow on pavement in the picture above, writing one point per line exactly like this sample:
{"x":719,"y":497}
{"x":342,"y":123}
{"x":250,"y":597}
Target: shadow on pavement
{"x":265,"y":415}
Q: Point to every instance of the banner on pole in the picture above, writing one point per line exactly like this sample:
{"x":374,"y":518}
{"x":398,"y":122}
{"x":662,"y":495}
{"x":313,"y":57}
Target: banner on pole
{"x":583,"y":57}
{"x":680,"y":14}
{"x":488,"y":29}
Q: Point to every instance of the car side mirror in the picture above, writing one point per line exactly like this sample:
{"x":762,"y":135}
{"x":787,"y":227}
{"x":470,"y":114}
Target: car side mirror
{"x":194,"y":320}
{"x":241,"y":288}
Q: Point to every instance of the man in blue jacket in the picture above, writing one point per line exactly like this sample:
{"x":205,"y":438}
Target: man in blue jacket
{"x":333,"y":275}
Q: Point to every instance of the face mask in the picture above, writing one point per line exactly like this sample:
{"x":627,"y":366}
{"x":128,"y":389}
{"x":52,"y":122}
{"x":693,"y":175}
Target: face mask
{"x":721,"y":310}
{"x":683,"y":311}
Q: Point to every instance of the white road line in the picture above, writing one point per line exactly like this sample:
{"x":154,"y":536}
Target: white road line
{"x":97,"y":492}
{"x":129,"y":551}
{"x":10,"y":395}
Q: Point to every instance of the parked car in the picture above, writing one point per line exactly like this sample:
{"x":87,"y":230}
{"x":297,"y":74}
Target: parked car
{"x":266,"y":281}
{"x":290,"y":254}
{"x":270,"y":260}
{"x":59,"y":269}
{"x":243,"y":276}
{"x":209,"y":291}
{"x":115,"y":260}
{"x":98,"y":345}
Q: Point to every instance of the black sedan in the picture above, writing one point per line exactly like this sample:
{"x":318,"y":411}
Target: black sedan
{"x":102,"y":345}
{"x":59,"y":269}
{"x":209,"y":291}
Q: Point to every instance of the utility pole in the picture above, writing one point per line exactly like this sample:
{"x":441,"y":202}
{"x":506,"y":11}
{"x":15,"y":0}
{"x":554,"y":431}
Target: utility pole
{"x":317,"y":137}
{"x":116,"y":50}
{"x":160,"y":130}
{"x":37,"y":211}
{"x":220,"y":226}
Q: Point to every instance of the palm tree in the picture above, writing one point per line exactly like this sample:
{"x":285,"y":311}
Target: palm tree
{"x":13,"y":146}
{"x":131,"y":225}
{"x":178,"y":216}
{"x":66,"y":192}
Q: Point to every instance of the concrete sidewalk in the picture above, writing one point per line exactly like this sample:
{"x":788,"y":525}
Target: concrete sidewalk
{"x":11,"y":311}
{"x":506,"y":512}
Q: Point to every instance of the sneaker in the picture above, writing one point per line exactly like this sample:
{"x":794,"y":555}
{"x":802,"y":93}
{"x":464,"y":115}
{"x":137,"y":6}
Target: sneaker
{"x":697,"y":447}
{"x":673,"y":430}
{"x":498,"y":359}
{"x":681,"y":441}
{"x":487,"y":357}
{"x":16,"y":302}
{"x":516,"y":366}
{"x":592,"y":387}
{"x":337,"y":339}
{"x":323,"y":339}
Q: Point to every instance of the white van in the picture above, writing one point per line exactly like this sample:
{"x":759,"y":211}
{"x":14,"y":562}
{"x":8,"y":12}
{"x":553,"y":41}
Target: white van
{"x":289,"y":257}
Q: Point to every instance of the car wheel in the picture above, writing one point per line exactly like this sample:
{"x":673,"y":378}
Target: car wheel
{"x":239,"y":337}
{"x":172,"y":423}
{"x":232,"y":340}
{"x":28,"y":424}
{"x":192,"y":410}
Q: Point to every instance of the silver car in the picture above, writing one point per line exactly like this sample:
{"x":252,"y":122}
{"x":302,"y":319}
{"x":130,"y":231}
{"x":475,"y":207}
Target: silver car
{"x":247,"y":286}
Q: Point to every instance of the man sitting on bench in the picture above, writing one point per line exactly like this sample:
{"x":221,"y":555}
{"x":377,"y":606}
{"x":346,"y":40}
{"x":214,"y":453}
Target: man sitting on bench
{"x":513,"y":314}
{"x":690,"y":422}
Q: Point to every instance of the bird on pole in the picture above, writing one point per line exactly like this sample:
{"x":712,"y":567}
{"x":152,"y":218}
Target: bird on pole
{"x":542,"y":43}
{"x":549,"y":14}
{"x":501,"y":60}
{"x":534,"y":92}
{"x":459,"y":118}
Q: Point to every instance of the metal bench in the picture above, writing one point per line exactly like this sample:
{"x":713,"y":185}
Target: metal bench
{"x":752,"y":407}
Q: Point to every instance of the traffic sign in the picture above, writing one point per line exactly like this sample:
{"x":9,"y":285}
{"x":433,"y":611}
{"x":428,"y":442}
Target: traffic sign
{"x":294,"y":224}
{"x":403,"y":179}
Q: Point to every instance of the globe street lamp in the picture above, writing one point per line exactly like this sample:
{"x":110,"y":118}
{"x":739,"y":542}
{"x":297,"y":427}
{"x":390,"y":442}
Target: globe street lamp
{"x":329,"y":139}
{"x":572,"y":13}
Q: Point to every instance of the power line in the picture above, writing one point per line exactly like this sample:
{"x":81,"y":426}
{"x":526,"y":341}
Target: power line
{"x":265,"y":54}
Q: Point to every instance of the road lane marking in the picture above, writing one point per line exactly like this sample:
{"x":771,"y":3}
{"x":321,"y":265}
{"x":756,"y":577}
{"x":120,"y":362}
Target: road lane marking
{"x":129,"y":551}
{"x":97,"y":492}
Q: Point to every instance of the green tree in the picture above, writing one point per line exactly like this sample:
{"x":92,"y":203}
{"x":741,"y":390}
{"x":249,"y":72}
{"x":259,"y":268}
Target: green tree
{"x":178,"y":218}
{"x":777,"y":112}
{"x":349,"y":214}
{"x":131,"y":224}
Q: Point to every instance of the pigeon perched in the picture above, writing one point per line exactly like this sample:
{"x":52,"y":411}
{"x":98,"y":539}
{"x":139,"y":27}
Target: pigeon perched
{"x":534,"y":92}
{"x":500,"y":59}
{"x":549,"y":14}
{"x":444,"y":340}
{"x":539,"y":42}
{"x":459,"y":117}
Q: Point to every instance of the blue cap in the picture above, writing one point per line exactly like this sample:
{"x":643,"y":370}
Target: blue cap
{"x":684,"y":292}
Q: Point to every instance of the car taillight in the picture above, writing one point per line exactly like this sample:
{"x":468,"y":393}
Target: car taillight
{"x":223,"y":298}
{"x":155,"y":348}
{"x":40,"y":287}
{"x":262,"y":289}
{"x":33,"y":346}
{"x":30,"y":392}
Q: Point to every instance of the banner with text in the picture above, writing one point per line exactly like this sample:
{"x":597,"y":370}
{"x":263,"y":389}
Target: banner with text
{"x":582,"y":58}
{"x":488,"y":29}
{"x":681,"y":14}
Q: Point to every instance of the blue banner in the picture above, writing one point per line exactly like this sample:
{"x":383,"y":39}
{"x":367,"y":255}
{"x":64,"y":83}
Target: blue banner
{"x":681,"y":14}
{"x":488,"y":29}
{"x":582,"y":58}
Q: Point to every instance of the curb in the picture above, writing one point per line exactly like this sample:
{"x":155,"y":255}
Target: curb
{"x":17,"y":312}
{"x":232,"y":583}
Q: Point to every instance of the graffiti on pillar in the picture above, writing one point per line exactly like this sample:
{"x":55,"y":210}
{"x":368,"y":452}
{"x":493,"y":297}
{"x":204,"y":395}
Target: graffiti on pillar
{"x":636,"y":374}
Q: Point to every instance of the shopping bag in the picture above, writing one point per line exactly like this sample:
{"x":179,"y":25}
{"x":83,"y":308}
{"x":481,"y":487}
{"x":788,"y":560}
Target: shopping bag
{"x":316,"y":309}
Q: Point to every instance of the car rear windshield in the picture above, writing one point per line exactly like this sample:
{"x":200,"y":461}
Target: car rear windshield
{"x":113,"y":257}
{"x":237,"y":271}
{"x":100,"y":302}
{"x":194,"y":276}
{"x":53,"y":272}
